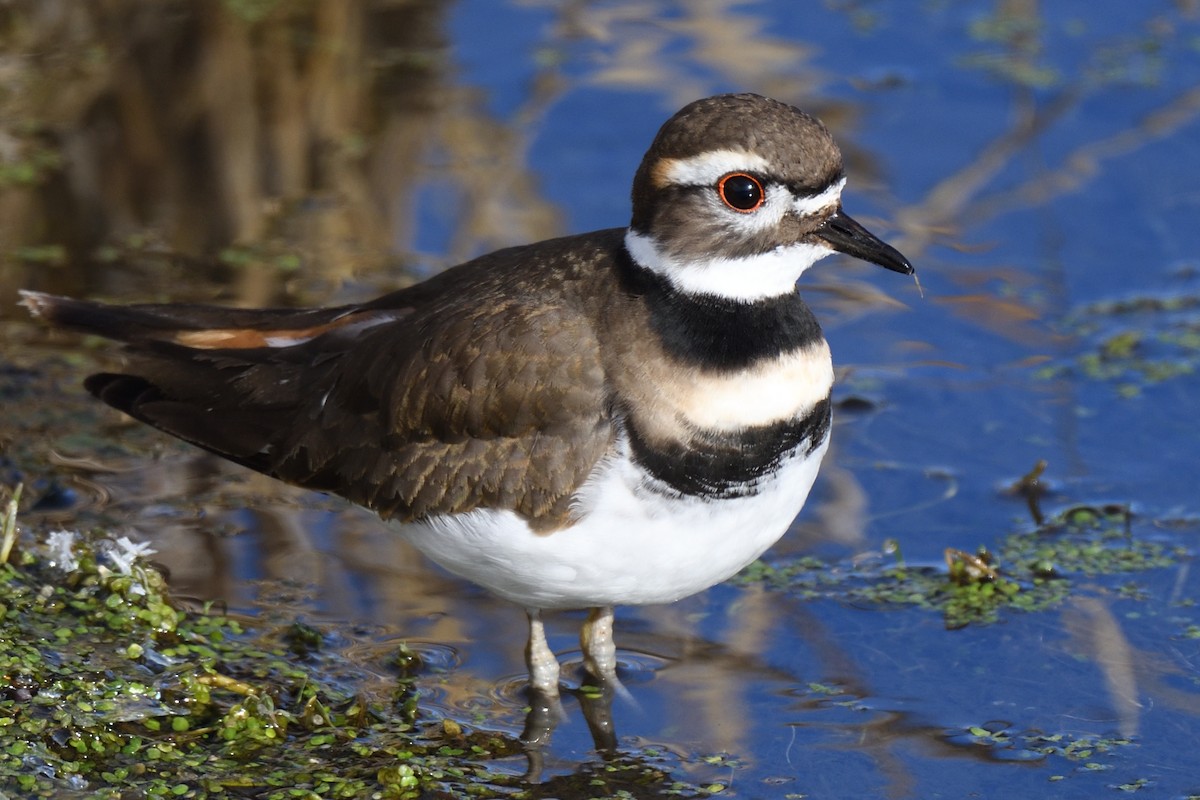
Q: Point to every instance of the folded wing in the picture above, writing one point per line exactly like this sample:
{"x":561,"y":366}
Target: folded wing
{"x":393,"y":404}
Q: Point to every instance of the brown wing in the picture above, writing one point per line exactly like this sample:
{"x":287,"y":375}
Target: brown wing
{"x":463,"y":403}
{"x":501,"y":407}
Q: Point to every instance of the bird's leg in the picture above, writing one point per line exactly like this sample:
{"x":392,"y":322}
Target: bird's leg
{"x":543,"y":666}
{"x":599,"y":650}
{"x":545,"y":707}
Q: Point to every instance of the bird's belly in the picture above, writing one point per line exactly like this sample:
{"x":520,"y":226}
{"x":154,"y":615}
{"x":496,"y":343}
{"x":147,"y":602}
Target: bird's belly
{"x":631,"y":545}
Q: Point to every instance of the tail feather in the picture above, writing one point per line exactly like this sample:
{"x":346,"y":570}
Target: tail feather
{"x":223,"y":379}
{"x":200,"y":326}
{"x":241,"y":437}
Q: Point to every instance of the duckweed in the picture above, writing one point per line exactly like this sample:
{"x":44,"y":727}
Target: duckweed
{"x":1076,"y":752}
{"x":1133,"y":344}
{"x":1029,"y":571}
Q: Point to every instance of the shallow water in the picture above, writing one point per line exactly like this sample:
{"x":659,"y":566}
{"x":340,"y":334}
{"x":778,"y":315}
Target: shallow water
{"x":1038,"y":165}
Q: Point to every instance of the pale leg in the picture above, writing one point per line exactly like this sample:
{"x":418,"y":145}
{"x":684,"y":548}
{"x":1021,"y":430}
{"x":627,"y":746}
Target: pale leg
{"x":599,"y":649}
{"x":543,"y":666}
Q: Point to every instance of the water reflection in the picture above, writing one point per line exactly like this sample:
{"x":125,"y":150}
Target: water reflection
{"x":289,"y":152}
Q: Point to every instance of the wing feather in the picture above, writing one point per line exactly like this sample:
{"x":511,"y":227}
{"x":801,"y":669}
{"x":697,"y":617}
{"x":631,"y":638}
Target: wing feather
{"x":422,"y":402}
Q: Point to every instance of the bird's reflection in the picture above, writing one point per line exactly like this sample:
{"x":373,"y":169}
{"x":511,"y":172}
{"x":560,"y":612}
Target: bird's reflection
{"x":546,"y":711}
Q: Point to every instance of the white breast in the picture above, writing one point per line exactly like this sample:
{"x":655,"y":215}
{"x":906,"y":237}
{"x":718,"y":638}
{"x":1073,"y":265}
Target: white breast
{"x":632,"y":545}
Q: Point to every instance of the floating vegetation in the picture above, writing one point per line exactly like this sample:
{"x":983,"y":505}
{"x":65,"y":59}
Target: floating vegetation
{"x":110,"y":690}
{"x":1017,"y":58}
{"x":1090,"y":541}
{"x":960,"y":599}
{"x":1085,"y":753}
{"x":1028,"y":572}
{"x":1160,"y":342}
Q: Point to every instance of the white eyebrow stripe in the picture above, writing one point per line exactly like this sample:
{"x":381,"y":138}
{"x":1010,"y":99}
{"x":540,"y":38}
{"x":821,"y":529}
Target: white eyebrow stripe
{"x":708,"y":168}
{"x":815,"y":203}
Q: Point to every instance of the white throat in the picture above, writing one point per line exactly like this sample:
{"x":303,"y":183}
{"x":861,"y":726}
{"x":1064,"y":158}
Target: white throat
{"x":749,"y":278}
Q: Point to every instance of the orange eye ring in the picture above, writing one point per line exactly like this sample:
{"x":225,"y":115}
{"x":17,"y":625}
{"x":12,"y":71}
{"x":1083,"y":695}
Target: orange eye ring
{"x":741,"y":192}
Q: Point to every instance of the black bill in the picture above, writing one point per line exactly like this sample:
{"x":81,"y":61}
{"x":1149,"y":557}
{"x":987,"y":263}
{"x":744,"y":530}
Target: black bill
{"x":845,"y":235}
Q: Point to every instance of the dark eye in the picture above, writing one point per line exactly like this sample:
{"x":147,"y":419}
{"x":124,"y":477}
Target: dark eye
{"x":741,"y":192}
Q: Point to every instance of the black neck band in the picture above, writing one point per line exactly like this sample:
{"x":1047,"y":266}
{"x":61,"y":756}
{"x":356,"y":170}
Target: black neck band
{"x":714,"y":332}
{"x":731,"y":464}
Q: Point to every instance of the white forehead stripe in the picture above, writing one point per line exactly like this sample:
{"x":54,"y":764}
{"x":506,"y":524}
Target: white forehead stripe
{"x":708,"y":168}
{"x":746,"y":279}
{"x":816,"y":203}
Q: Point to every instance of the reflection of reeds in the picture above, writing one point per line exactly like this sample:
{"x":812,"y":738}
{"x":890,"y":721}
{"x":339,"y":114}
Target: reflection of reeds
{"x":724,"y":43}
{"x":1097,"y":631}
{"x":318,"y":127}
{"x":322,"y":130}
{"x":963,"y":201}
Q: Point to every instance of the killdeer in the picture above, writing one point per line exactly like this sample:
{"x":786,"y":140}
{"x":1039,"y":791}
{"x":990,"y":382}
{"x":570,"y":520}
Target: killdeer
{"x":626,"y":416}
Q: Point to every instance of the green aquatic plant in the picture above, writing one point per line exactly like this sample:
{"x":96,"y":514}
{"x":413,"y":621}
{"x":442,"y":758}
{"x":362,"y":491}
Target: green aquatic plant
{"x":1075,"y":752}
{"x":1029,"y":571}
{"x":1089,"y":541}
{"x":1132,"y":344}
{"x":109,"y":688}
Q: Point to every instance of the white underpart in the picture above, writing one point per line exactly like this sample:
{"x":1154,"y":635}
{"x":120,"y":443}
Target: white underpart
{"x":632,"y":545}
{"x":708,"y":168}
{"x":750,"y":278}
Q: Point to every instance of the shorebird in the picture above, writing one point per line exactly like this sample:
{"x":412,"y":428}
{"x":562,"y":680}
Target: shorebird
{"x":626,"y":416}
